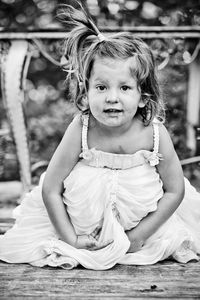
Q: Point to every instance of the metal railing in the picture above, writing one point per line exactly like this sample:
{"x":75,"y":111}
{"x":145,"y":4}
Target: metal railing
{"x":151,"y":32}
{"x":146,"y":32}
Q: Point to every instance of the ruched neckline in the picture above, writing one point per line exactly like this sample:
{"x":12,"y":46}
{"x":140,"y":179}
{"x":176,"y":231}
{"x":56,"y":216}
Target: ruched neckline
{"x":99,"y":158}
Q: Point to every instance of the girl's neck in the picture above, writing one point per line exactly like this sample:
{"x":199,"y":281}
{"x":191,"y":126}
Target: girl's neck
{"x":124,"y":140}
{"x":114,"y":131}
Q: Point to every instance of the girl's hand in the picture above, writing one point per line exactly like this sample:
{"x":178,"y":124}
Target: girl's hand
{"x":90,"y":241}
{"x":136,"y":241}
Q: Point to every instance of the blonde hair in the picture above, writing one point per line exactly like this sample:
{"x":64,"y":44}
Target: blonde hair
{"x":85,"y":43}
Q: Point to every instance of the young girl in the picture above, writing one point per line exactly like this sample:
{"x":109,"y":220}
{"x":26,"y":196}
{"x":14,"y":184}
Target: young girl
{"x":114,"y":189}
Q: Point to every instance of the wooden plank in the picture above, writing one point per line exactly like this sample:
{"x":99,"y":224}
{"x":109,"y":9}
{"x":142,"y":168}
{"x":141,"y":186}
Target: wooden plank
{"x":190,"y":160}
{"x":10,"y":191}
{"x":6,"y":212}
{"x":163,"y":280}
{"x":5,"y":224}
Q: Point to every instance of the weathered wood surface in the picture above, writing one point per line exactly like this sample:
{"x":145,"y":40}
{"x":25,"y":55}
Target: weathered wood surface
{"x":161,"y":281}
{"x":5,"y":224}
{"x":10,"y":191}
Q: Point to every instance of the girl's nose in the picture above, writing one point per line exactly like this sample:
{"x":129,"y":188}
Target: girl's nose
{"x":112,"y":97}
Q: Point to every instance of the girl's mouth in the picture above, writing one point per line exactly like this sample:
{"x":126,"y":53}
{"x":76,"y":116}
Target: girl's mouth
{"x":112,"y":110}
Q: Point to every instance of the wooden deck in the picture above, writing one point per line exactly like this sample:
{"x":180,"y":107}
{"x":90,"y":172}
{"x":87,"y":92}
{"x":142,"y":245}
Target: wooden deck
{"x":161,"y":281}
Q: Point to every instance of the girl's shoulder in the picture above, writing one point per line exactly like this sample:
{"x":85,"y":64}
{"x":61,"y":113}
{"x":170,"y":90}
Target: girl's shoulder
{"x":152,"y":134}
{"x":74,"y":129}
{"x":157,"y":121}
{"x":166,"y":147}
{"x":81,"y":119}
{"x":77,"y":121}
{"x":160,"y":129}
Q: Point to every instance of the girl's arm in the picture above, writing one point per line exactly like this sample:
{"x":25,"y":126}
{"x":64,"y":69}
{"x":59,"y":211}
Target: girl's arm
{"x":60,"y":166}
{"x":173,"y":185}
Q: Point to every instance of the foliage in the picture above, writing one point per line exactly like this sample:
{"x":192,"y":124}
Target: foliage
{"x":40,"y":14}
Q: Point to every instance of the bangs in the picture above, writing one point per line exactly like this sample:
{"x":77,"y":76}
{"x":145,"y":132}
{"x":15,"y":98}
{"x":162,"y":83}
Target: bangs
{"x":123,"y":47}
{"x":115,"y":49}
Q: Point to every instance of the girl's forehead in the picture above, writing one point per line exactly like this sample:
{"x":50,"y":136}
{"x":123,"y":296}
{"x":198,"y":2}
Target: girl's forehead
{"x":112,"y":62}
{"x":102,"y":64}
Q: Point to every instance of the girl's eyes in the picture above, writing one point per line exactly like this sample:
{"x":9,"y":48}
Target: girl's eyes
{"x":125,"y":87}
{"x":102,"y":88}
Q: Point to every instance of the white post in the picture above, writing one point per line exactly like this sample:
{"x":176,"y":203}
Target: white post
{"x":193,"y":104}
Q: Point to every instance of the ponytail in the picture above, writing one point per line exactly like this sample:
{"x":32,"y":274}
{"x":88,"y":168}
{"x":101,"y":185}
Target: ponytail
{"x":83,"y":34}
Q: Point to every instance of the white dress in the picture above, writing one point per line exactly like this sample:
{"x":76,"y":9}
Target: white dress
{"x":112,"y":190}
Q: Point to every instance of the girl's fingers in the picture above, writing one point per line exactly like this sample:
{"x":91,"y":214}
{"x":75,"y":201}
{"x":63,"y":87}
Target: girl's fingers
{"x":96,"y":232}
{"x":98,"y":246}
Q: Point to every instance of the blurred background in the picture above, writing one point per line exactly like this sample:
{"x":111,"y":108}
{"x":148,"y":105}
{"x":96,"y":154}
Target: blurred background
{"x":47,"y":106}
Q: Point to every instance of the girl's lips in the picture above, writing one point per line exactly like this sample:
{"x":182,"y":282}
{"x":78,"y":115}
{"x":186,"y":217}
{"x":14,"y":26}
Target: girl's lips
{"x":112,"y":110}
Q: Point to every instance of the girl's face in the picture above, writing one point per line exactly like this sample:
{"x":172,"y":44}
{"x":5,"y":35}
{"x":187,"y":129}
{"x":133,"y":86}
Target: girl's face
{"x":113,"y":93}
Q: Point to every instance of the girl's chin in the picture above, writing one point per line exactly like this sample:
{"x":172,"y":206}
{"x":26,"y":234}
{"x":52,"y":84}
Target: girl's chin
{"x":113,"y":119}
{"x":113,"y":122}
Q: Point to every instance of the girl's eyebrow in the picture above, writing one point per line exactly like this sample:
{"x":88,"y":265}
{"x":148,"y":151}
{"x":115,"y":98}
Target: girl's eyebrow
{"x":128,"y":80}
{"x":100,"y":79}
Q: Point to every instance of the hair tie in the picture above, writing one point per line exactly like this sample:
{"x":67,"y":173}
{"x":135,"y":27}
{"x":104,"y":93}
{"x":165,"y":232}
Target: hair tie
{"x":101,"y":37}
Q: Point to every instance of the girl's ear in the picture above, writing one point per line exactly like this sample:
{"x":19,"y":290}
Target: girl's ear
{"x":85,"y":102}
{"x":142,"y":103}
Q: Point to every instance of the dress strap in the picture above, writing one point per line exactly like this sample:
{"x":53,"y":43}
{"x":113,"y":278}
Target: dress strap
{"x":155,"y":137}
{"x":85,"y":120}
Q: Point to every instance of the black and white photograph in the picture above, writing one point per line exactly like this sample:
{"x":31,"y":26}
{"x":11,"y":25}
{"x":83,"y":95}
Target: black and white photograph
{"x":99,"y":149}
